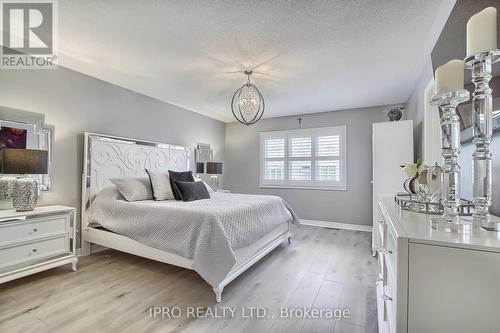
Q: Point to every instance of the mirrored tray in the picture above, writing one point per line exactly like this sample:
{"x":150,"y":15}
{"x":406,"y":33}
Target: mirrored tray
{"x":412,"y":203}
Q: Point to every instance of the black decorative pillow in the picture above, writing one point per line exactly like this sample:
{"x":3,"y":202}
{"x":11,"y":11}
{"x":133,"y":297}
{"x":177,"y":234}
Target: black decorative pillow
{"x":191,"y":191}
{"x":185,"y":176}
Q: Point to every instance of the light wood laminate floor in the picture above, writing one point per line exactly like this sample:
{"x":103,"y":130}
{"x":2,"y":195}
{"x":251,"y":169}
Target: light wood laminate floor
{"x":113,"y":291}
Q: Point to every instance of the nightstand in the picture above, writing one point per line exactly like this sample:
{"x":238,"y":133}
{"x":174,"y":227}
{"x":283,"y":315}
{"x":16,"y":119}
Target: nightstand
{"x":223,"y":191}
{"x":37,"y":240}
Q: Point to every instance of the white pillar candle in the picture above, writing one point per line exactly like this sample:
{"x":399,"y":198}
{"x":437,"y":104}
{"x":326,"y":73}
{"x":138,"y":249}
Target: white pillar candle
{"x":450,"y":77}
{"x":482,"y":31}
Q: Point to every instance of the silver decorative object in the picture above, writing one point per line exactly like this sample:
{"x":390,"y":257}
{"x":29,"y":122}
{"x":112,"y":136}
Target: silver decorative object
{"x":25,"y":194}
{"x":247,"y":103}
{"x":413,"y":203}
{"x":6,"y":187}
{"x":482,"y":107}
{"x":395,"y":114}
{"x":450,"y":149}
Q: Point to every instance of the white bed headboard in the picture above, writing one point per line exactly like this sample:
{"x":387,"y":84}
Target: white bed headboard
{"x":107,"y":157}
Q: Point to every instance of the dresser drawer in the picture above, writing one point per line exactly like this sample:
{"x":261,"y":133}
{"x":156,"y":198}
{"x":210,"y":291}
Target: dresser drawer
{"x":381,"y":226}
{"x":16,"y":254}
{"x":390,"y":301}
{"x":33,"y":228}
{"x":391,"y":253}
{"x":381,"y":311}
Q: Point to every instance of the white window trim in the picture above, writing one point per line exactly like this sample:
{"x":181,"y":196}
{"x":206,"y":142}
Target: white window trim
{"x":306,"y":185}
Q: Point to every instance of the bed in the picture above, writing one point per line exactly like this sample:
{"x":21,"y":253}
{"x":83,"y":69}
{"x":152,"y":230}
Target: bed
{"x":219,"y":237}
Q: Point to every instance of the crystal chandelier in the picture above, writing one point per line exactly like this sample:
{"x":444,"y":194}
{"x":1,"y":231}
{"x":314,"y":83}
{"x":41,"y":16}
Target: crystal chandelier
{"x":247,"y":104}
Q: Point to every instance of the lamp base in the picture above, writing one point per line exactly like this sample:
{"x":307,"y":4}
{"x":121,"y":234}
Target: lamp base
{"x":6,"y":187}
{"x":25,"y":194}
{"x":214,"y":181}
{"x":456,"y":225}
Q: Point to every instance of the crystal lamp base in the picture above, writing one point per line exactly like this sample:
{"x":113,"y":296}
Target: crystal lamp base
{"x":456,"y":226}
{"x":24,"y":194}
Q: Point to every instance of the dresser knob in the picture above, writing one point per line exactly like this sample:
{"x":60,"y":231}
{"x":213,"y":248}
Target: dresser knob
{"x":384,"y":251}
{"x":35,"y":230}
{"x":34,"y":250}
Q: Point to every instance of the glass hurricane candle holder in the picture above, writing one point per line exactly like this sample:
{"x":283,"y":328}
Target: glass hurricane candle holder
{"x":450,"y":149}
{"x":482,"y":111}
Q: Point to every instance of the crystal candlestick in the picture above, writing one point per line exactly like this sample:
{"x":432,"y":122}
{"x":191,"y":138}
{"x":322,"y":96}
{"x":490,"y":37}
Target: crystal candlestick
{"x":482,"y":108}
{"x":450,"y":149}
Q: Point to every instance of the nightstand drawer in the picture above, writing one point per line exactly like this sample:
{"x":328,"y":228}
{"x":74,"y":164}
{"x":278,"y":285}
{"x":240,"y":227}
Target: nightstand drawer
{"x":12,"y":255}
{"x":33,"y":228}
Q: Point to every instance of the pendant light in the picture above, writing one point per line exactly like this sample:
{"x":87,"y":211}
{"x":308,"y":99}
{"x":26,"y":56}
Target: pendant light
{"x":247,"y":103}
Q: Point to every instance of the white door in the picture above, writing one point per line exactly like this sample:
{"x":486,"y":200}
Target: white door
{"x":392,"y":146}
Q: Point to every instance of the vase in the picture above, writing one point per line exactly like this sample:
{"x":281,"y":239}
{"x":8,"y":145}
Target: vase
{"x":410,"y":185}
{"x":429,"y":184}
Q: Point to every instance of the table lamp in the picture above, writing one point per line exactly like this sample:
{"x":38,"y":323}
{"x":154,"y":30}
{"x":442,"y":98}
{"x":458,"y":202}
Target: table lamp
{"x":24,"y":162}
{"x":214,"y":169}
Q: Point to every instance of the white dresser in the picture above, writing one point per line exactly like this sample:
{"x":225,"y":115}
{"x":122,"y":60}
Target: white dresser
{"x":433,"y":281}
{"x":34,"y":241}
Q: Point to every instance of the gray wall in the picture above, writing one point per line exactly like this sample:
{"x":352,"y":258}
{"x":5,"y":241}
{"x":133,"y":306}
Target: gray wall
{"x":241,"y":168}
{"x":74,"y":103}
{"x":415,"y":107}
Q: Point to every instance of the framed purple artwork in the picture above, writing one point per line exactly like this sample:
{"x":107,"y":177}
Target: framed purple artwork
{"x":13,"y":137}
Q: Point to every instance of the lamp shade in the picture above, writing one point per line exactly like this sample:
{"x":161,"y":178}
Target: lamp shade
{"x":200,"y":167}
{"x":214,"y":168}
{"x":23,"y":161}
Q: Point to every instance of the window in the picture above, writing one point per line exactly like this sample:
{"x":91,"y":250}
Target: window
{"x":304,"y":158}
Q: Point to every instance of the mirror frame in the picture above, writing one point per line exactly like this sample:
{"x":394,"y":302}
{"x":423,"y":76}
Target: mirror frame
{"x":36,"y":126}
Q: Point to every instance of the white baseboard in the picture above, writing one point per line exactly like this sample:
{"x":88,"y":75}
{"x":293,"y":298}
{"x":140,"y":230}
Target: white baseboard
{"x":337,"y":225}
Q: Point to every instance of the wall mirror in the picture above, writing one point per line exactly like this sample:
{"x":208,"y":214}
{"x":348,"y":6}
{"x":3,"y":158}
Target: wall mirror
{"x":203,"y":152}
{"x":203,"y":155}
{"x":26,"y":130}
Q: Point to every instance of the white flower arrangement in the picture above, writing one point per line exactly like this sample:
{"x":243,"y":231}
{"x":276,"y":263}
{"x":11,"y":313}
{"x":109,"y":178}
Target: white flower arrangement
{"x":414,"y":169}
{"x":428,"y":178}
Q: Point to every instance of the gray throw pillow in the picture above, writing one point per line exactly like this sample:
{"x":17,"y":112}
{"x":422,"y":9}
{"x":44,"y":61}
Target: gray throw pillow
{"x":191,"y":191}
{"x":134,"y":188}
{"x":160,"y":183}
{"x":184,"y":176}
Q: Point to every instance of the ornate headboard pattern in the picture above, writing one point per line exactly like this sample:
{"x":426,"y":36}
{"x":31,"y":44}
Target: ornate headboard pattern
{"x":107,"y":157}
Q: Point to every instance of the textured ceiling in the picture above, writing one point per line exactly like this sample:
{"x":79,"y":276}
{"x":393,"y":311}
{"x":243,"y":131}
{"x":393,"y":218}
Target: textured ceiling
{"x":313,"y":55}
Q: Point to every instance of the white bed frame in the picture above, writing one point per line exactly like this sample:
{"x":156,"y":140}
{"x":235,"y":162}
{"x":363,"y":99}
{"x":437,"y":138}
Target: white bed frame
{"x":107,"y":157}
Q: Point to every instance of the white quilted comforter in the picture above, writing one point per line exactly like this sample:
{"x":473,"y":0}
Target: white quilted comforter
{"x":206,"y":231}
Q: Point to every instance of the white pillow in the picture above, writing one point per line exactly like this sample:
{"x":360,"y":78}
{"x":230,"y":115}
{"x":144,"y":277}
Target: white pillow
{"x":134,"y":189}
{"x":209,"y":189}
{"x":160,"y":183}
